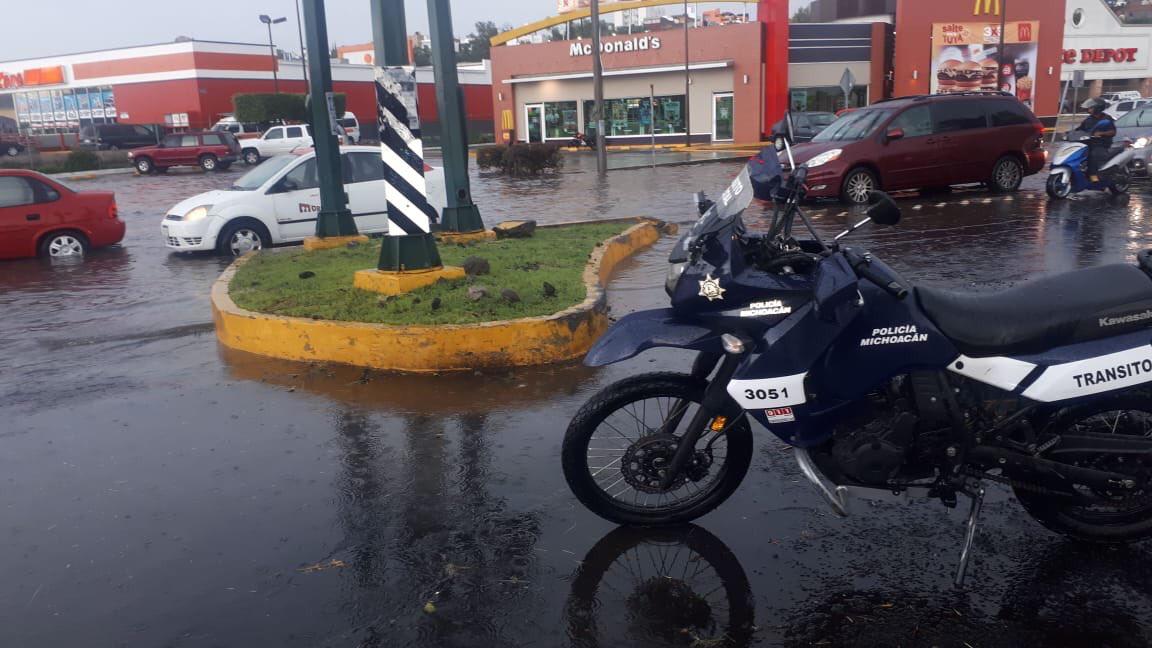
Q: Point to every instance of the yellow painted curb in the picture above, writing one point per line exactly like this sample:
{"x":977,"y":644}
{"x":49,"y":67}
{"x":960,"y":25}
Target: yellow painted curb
{"x":395,"y":283}
{"x":561,"y":336}
{"x":466,"y":237}
{"x":313,"y":243}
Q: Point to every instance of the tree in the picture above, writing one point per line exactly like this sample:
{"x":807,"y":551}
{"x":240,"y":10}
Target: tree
{"x":421,"y":56}
{"x":803,"y":15}
{"x":478,"y":46}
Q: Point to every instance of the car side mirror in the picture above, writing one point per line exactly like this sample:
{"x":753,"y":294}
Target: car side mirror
{"x":883,"y":210}
{"x":780,"y":143}
{"x":894,"y":134}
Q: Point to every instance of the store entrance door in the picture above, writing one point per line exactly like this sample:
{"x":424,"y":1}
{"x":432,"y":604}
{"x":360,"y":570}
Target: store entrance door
{"x":534,"y":122}
{"x":722,"y":117}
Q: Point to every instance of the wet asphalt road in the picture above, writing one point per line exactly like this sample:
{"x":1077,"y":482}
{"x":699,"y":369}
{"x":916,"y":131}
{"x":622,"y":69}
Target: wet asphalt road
{"x":158,"y":490}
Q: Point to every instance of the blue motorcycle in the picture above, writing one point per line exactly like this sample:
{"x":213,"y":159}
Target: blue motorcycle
{"x":885,"y":390}
{"x":1069,"y":173}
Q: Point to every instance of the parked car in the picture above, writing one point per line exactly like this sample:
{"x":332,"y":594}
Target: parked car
{"x":242,"y":130}
{"x":805,"y":125}
{"x":110,"y":137}
{"x":925,"y":142}
{"x":277,"y":140}
{"x":1121,"y":108}
{"x":351,"y":127}
{"x":40,"y":216}
{"x":1135,"y":126}
{"x":277,"y":202}
{"x":1115,"y":97}
{"x":209,"y":150}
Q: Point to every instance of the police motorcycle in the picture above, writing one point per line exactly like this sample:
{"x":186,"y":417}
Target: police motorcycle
{"x":1069,"y":170}
{"x":885,"y":390}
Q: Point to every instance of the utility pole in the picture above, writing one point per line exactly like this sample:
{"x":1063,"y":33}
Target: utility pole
{"x":461,"y":214}
{"x":269,"y":21}
{"x":1003,"y":24}
{"x":334,"y":218}
{"x":303,"y":56}
{"x":687,"y":83}
{"x":598,"y":91}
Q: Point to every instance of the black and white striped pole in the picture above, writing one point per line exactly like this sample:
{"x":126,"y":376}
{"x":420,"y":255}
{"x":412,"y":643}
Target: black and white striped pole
{"x":409,"y":257}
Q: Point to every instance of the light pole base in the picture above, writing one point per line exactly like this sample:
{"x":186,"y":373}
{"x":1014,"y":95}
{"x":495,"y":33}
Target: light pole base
{"x":465,"y":218}
{"x":313,"y":243}
{"x":396,"y":283}
{"x":408,"y":252}
{"x":337,"y":223}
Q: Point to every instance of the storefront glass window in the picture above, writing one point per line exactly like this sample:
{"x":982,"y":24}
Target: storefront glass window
{"x":560,"y":120}
{"x":827,"y":99}
{"x":634,"y":116}
{"x":63,"y":111}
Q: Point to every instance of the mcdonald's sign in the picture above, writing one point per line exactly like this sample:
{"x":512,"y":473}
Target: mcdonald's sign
{"x":988,"y":7}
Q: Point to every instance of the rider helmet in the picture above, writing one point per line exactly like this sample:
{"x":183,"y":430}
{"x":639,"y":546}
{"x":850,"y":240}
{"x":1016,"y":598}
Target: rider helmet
{"x":1094,"y":104}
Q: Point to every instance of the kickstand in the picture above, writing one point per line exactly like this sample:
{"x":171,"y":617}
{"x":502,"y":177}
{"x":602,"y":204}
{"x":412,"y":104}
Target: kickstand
{"x":966,"y":552}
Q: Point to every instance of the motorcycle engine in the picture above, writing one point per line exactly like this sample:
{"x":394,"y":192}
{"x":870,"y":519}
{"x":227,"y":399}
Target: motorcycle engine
{"x":874,"y":454}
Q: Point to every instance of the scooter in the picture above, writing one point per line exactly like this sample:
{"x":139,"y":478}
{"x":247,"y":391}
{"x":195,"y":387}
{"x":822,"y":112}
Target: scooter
{"x":885,"y":389}
{"x":1069,"y":174}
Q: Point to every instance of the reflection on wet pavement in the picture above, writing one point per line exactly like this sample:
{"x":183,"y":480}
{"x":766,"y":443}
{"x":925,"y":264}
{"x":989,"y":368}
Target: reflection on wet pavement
{"x":159,"y":490}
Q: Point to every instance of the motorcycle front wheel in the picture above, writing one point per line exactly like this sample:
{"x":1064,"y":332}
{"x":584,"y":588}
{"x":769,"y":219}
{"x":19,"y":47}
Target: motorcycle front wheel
{"x":1121,"y":181}
{"x":1057,"y":189}
{"x":619,"y":444}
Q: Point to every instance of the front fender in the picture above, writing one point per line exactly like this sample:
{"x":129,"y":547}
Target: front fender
{"x":643,"y":330}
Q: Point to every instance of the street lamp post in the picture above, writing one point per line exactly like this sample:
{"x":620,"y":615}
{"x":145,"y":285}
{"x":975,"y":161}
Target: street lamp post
{"x":300,"y":33}
{"x":269,"y":21}
{"x":687,"y":83}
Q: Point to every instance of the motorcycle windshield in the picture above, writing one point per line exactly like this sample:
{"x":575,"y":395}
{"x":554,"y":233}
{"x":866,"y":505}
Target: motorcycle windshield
{"x":731,"y":204}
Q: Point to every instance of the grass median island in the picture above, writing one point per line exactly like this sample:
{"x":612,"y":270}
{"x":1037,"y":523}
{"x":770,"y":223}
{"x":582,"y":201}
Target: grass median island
{"x":273,"y":283}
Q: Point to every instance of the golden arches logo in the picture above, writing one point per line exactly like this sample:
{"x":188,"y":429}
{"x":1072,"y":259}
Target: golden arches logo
{"x":989,"y":7}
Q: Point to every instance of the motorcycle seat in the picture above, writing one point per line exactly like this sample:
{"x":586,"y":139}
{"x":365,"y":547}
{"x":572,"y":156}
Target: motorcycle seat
{"x":1048,"y":312}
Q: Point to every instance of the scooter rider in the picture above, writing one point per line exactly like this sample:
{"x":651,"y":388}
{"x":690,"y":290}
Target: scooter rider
{"x":1101,"y":128}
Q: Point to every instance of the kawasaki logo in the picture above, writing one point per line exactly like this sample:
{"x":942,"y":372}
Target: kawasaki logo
{"x":1125,"y":319}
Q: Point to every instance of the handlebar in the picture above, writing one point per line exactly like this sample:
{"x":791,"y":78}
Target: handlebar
{"x":862,"y":265}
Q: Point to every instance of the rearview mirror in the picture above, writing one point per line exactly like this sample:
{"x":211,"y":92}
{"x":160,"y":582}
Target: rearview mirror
{"x":895,"y":134}
{"x":883,"y":210}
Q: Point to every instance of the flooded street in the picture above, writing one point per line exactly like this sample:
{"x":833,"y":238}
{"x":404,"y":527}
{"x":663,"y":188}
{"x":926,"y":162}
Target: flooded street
{"x":159,"y":490}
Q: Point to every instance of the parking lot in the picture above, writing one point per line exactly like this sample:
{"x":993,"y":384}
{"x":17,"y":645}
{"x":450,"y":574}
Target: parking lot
{"x":161,"y":490}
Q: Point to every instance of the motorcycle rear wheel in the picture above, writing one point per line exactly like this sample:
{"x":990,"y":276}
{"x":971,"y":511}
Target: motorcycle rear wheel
{"x":616,"y":439}
{"x":1114,"y":518}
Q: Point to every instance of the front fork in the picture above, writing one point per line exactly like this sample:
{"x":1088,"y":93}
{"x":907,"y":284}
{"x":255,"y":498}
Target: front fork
{"x":715,"y":399}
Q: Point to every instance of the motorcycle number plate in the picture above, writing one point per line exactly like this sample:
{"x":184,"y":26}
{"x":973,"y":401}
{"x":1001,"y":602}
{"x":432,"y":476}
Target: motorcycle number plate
{"x":767,"y":393}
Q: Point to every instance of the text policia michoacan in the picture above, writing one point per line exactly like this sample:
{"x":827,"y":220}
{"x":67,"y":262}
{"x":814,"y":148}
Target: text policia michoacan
{"x":895,"y":335}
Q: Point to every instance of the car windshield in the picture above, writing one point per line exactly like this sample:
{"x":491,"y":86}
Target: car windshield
{"x":347,"y":122}
{"x":854,"y":126}
{"x":256,"y":178}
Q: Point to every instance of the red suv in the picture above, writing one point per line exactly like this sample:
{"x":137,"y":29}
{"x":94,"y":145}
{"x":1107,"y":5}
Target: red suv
{"x":210,"y":150}
{"x":925,"y":142}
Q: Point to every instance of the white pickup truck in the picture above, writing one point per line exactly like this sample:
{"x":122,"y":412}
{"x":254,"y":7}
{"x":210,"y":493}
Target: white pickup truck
{"x":278,"y":140}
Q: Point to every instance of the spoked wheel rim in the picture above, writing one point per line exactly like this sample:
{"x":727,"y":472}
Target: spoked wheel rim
{"x":65,"y":246}
{"x":12,"y":151}
{"x":1116,"y":506}
{"x":143,"y":166}
{"x":245,"y":240}
{"x":860,"y":187}
{"x":630,"y":448}
{"x":1008,"y":175}
{"x":251,"y":157}
{"x":208,"y":163}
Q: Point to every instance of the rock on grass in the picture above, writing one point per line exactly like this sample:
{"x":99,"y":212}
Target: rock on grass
{"x":476,"y":293}
{"x":510,"y":296}
{"x":475,"y":266}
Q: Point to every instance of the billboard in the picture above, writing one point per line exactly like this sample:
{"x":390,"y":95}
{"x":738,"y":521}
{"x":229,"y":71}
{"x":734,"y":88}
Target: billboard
{"x":564,"y":6}
{"x":966,"y":57}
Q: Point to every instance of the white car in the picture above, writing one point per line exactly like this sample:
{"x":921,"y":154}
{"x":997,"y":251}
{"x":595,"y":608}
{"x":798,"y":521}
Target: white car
{"x":277,"y":140}
{"x":277,"y":202}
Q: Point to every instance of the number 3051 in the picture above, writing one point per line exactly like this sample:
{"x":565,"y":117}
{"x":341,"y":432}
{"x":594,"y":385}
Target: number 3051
{"x":766,"y":394}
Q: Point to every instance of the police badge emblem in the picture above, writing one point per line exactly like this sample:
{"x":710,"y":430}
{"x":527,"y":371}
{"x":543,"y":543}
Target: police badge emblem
{"x":710,"y":288}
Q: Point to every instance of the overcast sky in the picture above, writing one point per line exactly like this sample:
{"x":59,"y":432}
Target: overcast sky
{"x":46,"y":27}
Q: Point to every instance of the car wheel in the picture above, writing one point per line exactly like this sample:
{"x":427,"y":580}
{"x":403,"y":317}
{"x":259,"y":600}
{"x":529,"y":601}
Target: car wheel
{"x":238,"y":239}
{"x":251,"y":157}
{"x":1006,"y":175}
{"x":144,"y":165}
{"x":63,"y":245}
{"x":208,"y":162}
{"x":12,"y":151}
{"x":858,"y":186}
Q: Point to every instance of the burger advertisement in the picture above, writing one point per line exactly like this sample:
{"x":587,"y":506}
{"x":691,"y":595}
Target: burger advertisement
{"x":967,"y":57}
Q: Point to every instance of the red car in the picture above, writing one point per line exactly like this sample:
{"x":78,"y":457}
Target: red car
{"x":925,"y":142}
{"x":40,"y":216}
{"x":209,"y":150}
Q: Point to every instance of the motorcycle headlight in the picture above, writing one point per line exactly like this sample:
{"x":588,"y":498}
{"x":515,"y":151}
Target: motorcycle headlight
{"x":674,"y":272}
{"x":1140,"y":143}
{"x":199,"y":213}
{"x":824,"y":158}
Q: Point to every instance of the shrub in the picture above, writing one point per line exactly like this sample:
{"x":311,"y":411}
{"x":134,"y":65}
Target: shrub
{"x":271,"y":107}
{"x":488,"y":157}
{"x":81,"y":160}
{"x":520,"y":159}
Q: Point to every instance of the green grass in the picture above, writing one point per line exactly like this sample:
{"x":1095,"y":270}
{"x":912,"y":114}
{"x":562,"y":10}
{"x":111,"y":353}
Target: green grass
{"x":271,"y":283}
